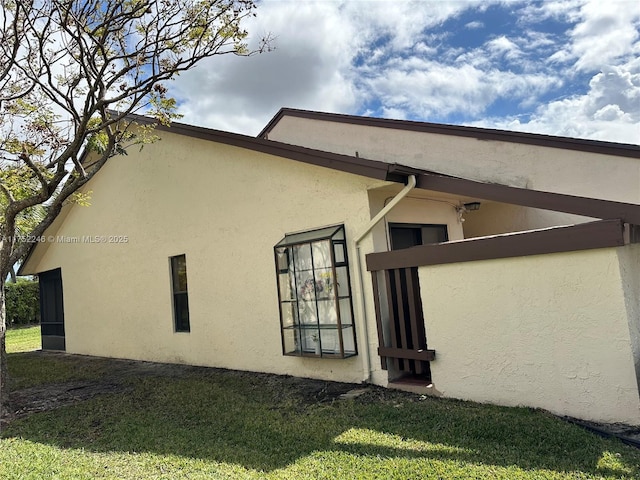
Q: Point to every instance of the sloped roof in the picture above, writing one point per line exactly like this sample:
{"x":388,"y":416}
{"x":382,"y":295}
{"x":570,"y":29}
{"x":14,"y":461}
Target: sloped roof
{"x":427,"y":180}
{"x":346,"y":163}
{"x":567,"y":143}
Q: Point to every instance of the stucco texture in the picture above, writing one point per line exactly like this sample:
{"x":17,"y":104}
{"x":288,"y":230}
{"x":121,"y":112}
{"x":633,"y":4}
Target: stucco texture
{"x":547,"y":331}
{"x":516,"y":164}
{"x":520,"y":165}
{"x":225,"y":208}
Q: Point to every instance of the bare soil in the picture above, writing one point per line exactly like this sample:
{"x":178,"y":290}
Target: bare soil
{"x":117,"y":380}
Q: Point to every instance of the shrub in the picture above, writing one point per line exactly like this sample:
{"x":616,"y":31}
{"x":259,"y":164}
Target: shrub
{"x":22,"y":302}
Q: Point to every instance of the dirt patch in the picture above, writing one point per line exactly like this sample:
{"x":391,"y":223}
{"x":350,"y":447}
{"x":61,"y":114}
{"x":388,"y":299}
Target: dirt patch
{"x":117,"y":379}
{"x":304,"y":391}
{"x":48,"y":397}
{"x":627,"y":434}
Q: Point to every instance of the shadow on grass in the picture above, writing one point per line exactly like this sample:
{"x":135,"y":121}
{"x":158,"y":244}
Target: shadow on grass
{"x":267,"y":422}
{"x":34,"y":368}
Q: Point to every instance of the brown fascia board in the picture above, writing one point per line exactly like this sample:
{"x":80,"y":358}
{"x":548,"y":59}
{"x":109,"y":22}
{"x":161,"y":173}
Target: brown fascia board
{"x":358,"y":166}
{"x":588,"y":207}
{"x":346,"y":163}
{"x":566,"y":143}
{"x":585,"y":236}
{"x":558,"y":202}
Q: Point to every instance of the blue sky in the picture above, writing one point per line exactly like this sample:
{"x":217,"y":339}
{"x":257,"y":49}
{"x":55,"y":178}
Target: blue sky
{"x":569,"y":68}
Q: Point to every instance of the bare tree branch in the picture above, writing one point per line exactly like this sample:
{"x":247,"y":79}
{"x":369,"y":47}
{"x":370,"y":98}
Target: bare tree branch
{"x":71,"y":74}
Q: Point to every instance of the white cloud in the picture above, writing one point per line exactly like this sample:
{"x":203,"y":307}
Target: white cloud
{"x":503,"y":47}
{"x":401,"y":22}
{"x":393,"y":58}
{"x":308,"y":69}
{"x":315,"y":64}
{"x":435,"y":90}
{"x":607,"y":32}
{"x":474,"y":25}
{"x":604,"y":41}
{"x":603,"y":33}
{"x":610,"y":110}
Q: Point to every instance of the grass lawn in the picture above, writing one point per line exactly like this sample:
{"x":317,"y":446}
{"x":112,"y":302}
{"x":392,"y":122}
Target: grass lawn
{"x":196,"y":423}
{"x":23,"y":339}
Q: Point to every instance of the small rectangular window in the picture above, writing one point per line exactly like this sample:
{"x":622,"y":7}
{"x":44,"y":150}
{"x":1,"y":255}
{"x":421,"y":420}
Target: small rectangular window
{"x":179,"y":290}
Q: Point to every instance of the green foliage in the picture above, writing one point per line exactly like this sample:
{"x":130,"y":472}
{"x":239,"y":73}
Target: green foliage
{"x":22,"y":302}
{"x":71,"y":76}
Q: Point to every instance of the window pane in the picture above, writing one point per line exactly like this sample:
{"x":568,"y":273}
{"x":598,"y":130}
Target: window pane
{"x":302,"y":257}
{"x":345,"y":311}
{"x":307,"y":312}
{"x":305,"y":237}
{"x":282,"y":258}
{"x":324,"y":283}
{"x":287,"y":286}
{"x":310,"y":340}
{"x":321,"y":254}
{"x":339,"y":252}
{"x":330,"y":341}
{"x":181,"y":312}
{"x":327,"y":312}
{"x":179,"y":272}
{"x":343,"y":281}
{"x":434,"y":234}
{"x":180,"y":300}
{"x":306,"y":285}
{"x":290,"y":340}
{"x":289,"y":317}
{"x":348,"y":341}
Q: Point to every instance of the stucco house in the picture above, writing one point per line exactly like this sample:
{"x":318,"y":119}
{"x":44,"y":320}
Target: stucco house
{"x":469,"y":263}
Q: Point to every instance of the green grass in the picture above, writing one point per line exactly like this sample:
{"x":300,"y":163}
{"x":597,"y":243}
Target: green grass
{"x":209,"y":423}
{"x":27,"y":369}
{"x":23,"y":339}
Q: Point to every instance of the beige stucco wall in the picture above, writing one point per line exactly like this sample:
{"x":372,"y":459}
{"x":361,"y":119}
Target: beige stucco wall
{"x":495,"y":218}
{"x":546,"y":331}
{"x":419,"y":207}
{"x":225,"y":208}
{"x":630,"y":273}
{"x":530,"y":166}
{"x":526,"y":166}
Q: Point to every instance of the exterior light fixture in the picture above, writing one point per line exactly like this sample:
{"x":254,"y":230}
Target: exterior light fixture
{"x":471,"y":206}
{"x":466,"y":207}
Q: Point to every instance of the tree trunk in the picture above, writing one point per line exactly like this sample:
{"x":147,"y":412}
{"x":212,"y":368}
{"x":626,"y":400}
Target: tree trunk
{"x":12,"y":273}
{"x":4,"y":393}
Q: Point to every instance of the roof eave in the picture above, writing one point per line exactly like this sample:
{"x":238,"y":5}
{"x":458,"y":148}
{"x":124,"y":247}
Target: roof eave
{"x":479,"y":133}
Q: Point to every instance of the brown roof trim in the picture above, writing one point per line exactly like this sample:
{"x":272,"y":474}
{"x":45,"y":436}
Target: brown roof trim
{"x":588,"y":207}
{"x":604,"y":209}
{"x":567,"y":143}
{"x":585,"y":236}
{"x":346,"y":163}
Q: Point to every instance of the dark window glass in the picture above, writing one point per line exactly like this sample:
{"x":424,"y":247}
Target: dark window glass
{"x":406,"y":235}
{"x":179,"y":289}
